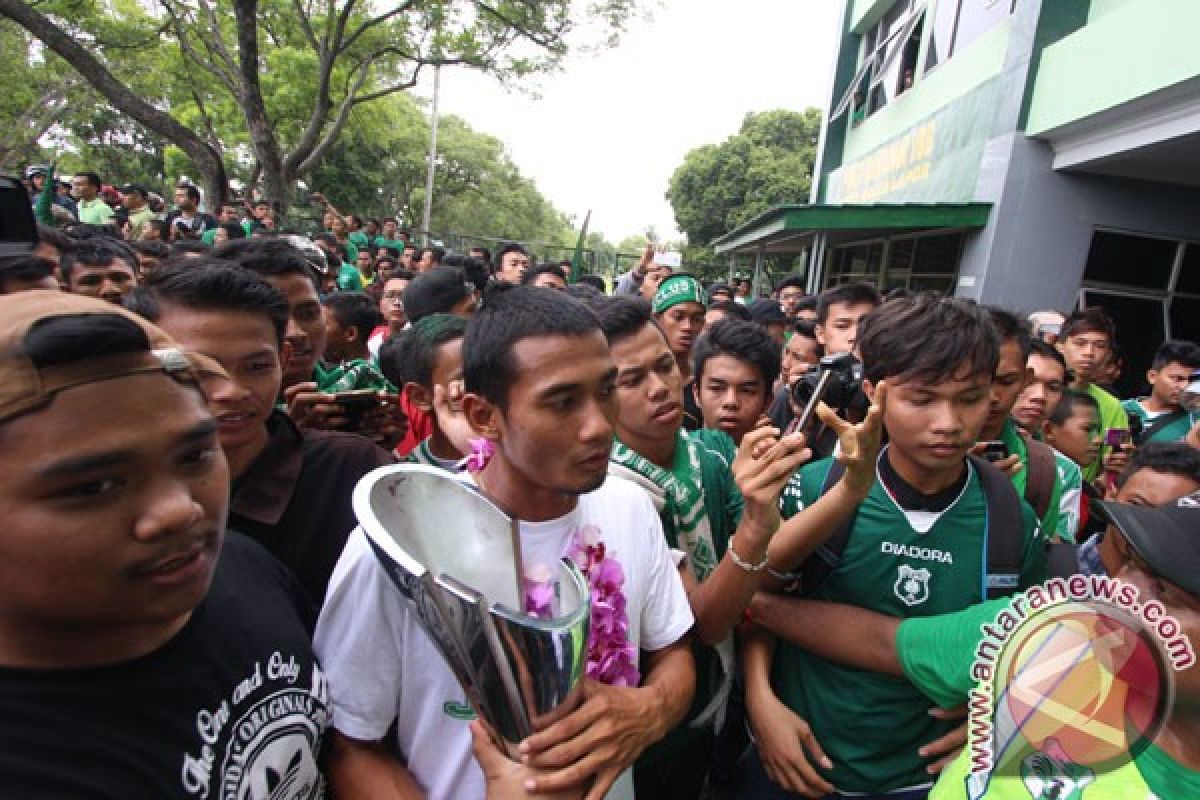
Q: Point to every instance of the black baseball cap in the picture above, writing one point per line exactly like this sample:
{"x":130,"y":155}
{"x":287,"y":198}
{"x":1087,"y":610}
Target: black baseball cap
{"x":766,"y":311}
{"x":436,"y":291}
{"x":133,"y":188}
{"x":1167,"y":537}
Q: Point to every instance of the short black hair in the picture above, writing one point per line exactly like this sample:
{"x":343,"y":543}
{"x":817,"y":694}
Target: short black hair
{"x":805,"y":327}
{"x":1071,"y":399}
{"x":1089,"y":320}
{"x":593,"y":280}
{"x":1177,"y":351}
{"x":1171,"y":458}
{"x":1010,"y":327}
{"x":211,"y":284}
{"x":622,"y":316}
{"x":509,"y":315}
{"x":97,"y":251}
{"x":733,"y":309}
{"x":438,"y":254}
{"x":24,"y":268}
{"x":409,"y":355}
{"x":744,"y":341}
{"x":850,"y":294}
{"x":268,"y":256}
{"x":71,"y":338}
{"x":1040,"y":347}
{"x":192,"y":192}
{"x":807,"y":303}
{"x":486,"y":256}
{"x":90,"y":177}
{"x":354,"y":310}
{"x":233,"y":229}
{"x":151,"y":247}
{"x":54,"y":237}
{"x":791,"y":281}
{"x":505,"y":249}
{"x":542,"y":269}
{"x":184,"y":246}
{"x":928,"y":337}
{"x":583,"y":292}
{"x":474,"y":269}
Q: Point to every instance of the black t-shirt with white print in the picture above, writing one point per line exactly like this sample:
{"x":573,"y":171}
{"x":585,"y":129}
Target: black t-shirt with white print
{"x":234,"y":707}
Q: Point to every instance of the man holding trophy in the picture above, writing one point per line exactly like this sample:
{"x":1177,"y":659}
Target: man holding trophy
{"x":539,"y":394}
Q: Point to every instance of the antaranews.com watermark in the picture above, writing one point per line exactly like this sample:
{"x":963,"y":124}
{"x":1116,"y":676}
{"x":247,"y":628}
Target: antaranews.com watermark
{"x":1082,"y":663}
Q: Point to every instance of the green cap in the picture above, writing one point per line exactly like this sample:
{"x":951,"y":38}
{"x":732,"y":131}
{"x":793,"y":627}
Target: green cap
{"x":678,"y":289}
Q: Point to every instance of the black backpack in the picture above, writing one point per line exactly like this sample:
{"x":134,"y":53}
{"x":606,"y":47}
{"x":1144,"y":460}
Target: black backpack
{"x":1005,"y":535}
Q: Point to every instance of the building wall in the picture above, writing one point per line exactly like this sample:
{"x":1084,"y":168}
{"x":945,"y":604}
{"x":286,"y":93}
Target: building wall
{"x":1033,"y":252}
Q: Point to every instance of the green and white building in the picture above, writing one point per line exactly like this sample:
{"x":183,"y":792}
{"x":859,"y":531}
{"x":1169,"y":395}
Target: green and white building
{"x":1029,"y":153}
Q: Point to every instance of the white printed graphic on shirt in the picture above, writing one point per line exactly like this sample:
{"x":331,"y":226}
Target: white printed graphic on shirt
{"x":912,"y":585}
{"x":265,"y":749}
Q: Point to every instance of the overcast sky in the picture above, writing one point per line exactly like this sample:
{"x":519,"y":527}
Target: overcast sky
{"x":608,"y":131}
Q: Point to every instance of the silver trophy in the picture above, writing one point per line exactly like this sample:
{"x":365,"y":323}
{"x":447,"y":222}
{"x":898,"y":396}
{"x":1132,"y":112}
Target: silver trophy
{"x":457,"y":557}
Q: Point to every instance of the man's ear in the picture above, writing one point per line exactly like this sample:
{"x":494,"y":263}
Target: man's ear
{"x":1151,"y":376}
{"x":351,"y":333}
{"x":819,"y":332}
{"x":1047,"y":432}
{"x":484,"y":418}
{"x":868,"y":389}
{"x":419,"y":396}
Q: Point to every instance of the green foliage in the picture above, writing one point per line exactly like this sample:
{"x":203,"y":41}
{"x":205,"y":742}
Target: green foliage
{"x":718,"y":187}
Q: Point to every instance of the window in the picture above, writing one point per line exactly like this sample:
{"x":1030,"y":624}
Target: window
{"x":923,"y":262}
{"x":1135,"y":261}
{"x":958,"y":23}
{"x":888,"y":50}
{"x":1151,"y":288}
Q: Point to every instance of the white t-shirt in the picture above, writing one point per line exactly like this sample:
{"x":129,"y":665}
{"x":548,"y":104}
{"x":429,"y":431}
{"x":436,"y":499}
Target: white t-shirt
{"x":381,"y":665}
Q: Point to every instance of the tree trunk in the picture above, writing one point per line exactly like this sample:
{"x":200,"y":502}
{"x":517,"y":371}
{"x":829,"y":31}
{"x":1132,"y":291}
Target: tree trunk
{"x":206,"y":158}
{"x":263,"y":141}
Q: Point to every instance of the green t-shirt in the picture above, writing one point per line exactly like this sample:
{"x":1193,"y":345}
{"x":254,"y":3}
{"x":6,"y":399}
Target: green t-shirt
{"x":396,"y":244}
{"x":349,"y":279}
{"x":1070,"y":483}
{"x":870,"y":725}
{"x":421,"y":454}
{"x":1011,"y":436}
{"x":1112,"y":415}
{"x":937,"y":652}
{"x":723,"y":506}
{"x":1152,"y":775}
{"x":95,"y":212}
{"x":1171,"y":432}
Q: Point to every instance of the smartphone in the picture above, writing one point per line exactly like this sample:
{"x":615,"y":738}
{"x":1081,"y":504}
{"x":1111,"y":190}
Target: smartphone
{"x":994,"y":451}
{"x":355,"y":403}
{"x":1117,"y":438}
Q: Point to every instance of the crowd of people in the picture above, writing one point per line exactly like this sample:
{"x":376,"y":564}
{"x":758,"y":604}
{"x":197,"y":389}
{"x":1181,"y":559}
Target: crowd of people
{"x":807,"y":504}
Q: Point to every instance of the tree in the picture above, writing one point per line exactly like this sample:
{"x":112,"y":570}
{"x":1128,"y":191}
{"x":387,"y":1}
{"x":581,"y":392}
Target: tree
{"x":293,"y":70}
{"x":718,"y":187}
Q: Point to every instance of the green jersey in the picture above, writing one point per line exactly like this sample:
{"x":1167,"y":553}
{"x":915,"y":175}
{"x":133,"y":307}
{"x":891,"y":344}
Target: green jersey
{"x":395,"y":244}
{"x":902,"y":564}
{"x":1012,"y":437}
{"x":1070,"y":482}
{"x":714,"y":452}
{"x":1152,"y":775}
{"x":421,"y":454}
{"x":1112,"y":416}
{"x":349,"y":279}
{"x":1171,"y":432}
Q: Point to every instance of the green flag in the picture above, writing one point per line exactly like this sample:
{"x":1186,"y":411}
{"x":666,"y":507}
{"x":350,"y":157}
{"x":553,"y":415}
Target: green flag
{"x":577,"y":259}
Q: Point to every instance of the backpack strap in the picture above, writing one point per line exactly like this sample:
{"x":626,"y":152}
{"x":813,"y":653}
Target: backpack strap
{"x":826,"y":558}
{"x":1042,"y":476}
{"x":1160,"y":422}
{"x":1005,"y":531}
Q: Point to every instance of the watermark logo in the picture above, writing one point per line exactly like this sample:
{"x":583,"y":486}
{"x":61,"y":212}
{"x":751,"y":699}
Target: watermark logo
{"x":1074,"y":679}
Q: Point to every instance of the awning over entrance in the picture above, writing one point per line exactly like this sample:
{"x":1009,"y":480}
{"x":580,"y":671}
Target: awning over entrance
{"x":787,"y":229}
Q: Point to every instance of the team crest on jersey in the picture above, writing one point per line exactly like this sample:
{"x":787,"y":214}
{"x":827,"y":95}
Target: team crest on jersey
{"x":1049,"y":778}
{"x":912,"y":585}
